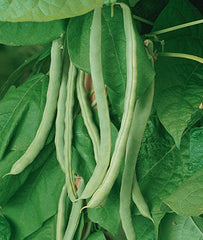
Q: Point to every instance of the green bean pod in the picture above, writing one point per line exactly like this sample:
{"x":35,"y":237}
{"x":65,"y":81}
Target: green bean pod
{"x":74,"y":215}
{"x":102,"y":106}
{"x":120,"y":146}
{"x":87,"y":114}
{"x":141,"y":115}
{"x":60,"y":225}
{"x":60,"y":116}
{"x":68,"y":135}
{"x":49,"y":111}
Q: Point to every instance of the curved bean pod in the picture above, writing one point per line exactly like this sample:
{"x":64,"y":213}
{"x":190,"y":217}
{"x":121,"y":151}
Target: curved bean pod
{"x":60,"y":225}
{"x":68,"y":135}
{"x":49,"y":110}
{"x":74,"y":215}
{"x":130,"y":93}
{"x":87,"y":114}
{"x":102,"y":106}
{"x":60,"y":125}
{"x":141,"y":115}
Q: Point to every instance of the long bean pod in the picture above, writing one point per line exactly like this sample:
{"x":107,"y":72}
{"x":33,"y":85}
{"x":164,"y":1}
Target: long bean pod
{"x":68,"y":135}
{"x":60,"y":116}
{"x":49,"y":111}
{"x":74,"y":215}
{"x":60,"y":225}
{"x":102,"y":106}
{"x":130,"y":93}
{"x":87,"y":114}
{"x":141,"y":115}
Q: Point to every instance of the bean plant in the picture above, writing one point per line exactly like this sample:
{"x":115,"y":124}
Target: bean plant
{"x":101,"y":122}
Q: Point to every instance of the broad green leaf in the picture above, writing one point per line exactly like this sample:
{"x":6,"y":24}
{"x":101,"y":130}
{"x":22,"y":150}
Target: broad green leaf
{"x":46,"y":232}
{"x":187,"y":200}
{"x":30,"y":33}
{"x":144,"y":228}
{"x":97,"y":236}
{"x":40,"y":10}
{"x":113,"y":55}
{"x":21,"y":109}
{"x":162,"y":167}
{"x":178,"y":228}
{"x":36,"y":200}
{"x":108,"y":216}
{"x":5,"y":231}
{"x":198,"y":221}
{"x":31,"y":65}
{"x":18,"y":109}
{"x":179,"y":89}
{"x":196,"y":144}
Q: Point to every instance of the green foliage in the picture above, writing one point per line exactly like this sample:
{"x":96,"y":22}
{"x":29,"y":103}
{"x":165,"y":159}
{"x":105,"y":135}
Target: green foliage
{"x":39,"y":11}
{"x":5,"y":231}
{"x":179,"y":227}
{"x":30,"y":33}
{"x":170,"y":162}
{"x":179,"y":86}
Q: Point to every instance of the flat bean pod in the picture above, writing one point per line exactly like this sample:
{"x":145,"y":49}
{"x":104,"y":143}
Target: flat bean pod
{"x":68,"y":135}
{"x":141,"y":115}
{"x":74,"y":215}
{"x":49,"y":111}
{"x":87,"y":114}
{"x":60,"y":226}
{"x":102,"y":106}
{"x":130,"y":93}
{"x":60,"y":116}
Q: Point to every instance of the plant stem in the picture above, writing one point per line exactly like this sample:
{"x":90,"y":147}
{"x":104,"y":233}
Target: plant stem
{"x":181,"y":55}
{"x":177,"y":27}
{"x":143,"y":20}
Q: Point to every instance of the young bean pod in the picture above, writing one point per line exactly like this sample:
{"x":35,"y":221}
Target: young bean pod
{"x":60,"y":226}
{"x":74,"y":215}
{"x":49,"y":111}
{"x":130,"y":93}
{"x":141,"y":115}
{"x":68,"y":135}
{"x":60,"y":116}
{"x":87,"y":114}
{"x":102,"y":106}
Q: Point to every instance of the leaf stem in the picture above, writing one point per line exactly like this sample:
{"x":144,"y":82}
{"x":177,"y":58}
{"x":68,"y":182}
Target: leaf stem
{"x":143,"y":20}
{"x":181,"y":55}
{"x":177,"y":27}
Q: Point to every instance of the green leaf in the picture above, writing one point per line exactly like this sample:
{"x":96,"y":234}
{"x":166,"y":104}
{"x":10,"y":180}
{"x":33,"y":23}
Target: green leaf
{"x":179,"y":89}
{"x":178,"y":228}
{"x":36,"y":200}
{"x":113,"y":55}
{"x":97,"y":236}
{"x":30,"y":33}
{"x":46,"y":232}
{"x":187,"y":200}
{"x":196,"y":145}
{"x":39,"y":11}
{"x":18,"y":109}
{"x":144,"y":228}
{"x":5,"y":231}
{"x":17,"y":77}
{"x":162,"y":167}
{"x":198,"y":221}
